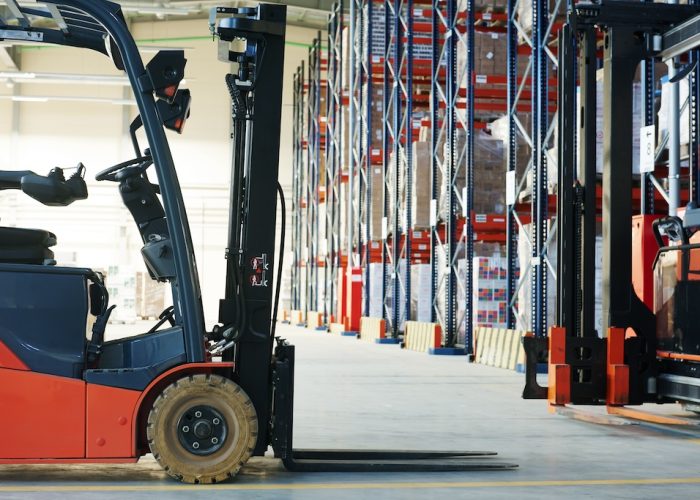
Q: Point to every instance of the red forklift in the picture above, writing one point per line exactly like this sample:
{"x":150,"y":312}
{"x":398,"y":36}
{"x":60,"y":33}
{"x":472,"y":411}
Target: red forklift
{"x":649,"y":349}
{"x":202,"y":402}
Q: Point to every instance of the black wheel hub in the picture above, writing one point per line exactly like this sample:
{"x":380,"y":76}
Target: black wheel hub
{"x":202,"y":430}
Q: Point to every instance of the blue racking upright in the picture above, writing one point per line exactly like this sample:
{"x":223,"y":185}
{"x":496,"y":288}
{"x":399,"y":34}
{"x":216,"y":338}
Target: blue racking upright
{"x":538,"y":76}
{"x":333,"y":162}
{"x":296,"y":282}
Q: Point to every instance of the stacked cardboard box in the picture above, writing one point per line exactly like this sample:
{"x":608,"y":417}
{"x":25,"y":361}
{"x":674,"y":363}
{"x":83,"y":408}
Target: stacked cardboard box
{"x":421,"y":283}
{"x":376,"y":103}
{"x":489,"y":174}
{"x":121,"y":286}
{"x":422,"y":42}
{"x":422,"y":189}
{"x":490,"y":306}
{"x":150,"y":296}
{"x":489,"y":57}
{"x":377,"y":202}
{"x":484,"y":5}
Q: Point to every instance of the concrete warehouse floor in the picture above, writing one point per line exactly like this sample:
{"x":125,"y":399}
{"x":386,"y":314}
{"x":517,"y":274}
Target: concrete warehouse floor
{"x":352,"y":394}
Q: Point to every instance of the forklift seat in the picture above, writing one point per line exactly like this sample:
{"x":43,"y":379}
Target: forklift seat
{"x":25,"y":246}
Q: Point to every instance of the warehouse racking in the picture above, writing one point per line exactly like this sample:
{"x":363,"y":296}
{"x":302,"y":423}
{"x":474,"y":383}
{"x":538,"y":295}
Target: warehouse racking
{"x":396,"y":69}
{"x":388,"y":88}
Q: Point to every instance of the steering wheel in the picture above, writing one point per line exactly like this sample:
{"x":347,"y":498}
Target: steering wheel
{"x":137,"y":166}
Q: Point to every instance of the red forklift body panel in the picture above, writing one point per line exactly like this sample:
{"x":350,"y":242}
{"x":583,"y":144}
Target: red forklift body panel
{"x":43,"y":416}
{"x":110,"y":425}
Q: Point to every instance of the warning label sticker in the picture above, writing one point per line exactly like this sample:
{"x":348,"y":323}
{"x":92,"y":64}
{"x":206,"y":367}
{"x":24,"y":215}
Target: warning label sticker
{"x":259,"y":266}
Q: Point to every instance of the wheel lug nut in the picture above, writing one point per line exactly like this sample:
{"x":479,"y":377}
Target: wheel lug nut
{"x":216,"y":421}
{"x":186,"y":429}
{"x":195,"y":445}
{"x":214,"y":440}
{"x":198,"y":414}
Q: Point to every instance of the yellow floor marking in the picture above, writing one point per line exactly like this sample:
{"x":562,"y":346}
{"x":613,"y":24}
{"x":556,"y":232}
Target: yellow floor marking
{"x":650,"y":417}
{"x":353,"y":486}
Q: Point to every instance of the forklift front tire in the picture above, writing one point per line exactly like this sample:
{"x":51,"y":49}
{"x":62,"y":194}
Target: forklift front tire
{"x":202,"y":429}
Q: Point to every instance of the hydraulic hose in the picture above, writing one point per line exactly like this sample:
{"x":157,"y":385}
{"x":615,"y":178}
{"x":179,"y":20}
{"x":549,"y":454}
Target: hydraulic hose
{"x":278,"y":286}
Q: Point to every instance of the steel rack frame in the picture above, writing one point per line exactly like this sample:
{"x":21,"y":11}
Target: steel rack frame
{"x":297,"y":189}
{"x":542,"y":63}
{"x":333,"y":167}
{"x":313,"y":152}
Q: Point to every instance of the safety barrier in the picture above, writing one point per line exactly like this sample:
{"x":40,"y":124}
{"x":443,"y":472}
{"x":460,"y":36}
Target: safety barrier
{"x":422,"y":337}
{"x":499,"y":347}
{"x":297,"y":318}
{"x":372,"y":329}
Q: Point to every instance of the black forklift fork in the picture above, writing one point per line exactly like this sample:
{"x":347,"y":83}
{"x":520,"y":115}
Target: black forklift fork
{"x":303,"y":460}
{"x":253,"y":39}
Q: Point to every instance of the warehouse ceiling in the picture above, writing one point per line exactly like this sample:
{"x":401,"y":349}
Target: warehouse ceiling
{"x":307,"y":13}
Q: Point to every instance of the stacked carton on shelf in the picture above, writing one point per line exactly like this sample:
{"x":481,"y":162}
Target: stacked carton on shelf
{"x":377,"y":202}
{"x":489,"y":174}
{"x":422,"y":192}
{"x":490,"y":306}
{"x":121,"y":286}
{"x":150,"y":296}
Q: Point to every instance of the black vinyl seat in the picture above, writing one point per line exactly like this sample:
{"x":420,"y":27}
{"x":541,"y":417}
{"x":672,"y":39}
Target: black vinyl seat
{"x":25,"y":246}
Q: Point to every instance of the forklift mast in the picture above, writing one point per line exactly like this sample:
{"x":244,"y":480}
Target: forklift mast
{"x":253,"y":40}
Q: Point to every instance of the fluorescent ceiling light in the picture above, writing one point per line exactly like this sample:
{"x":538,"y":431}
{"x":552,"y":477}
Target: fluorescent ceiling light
{"x":26,"y":98}
{"x":67,"y":78}
{"x":17,"y":75}
{"x":96,"y":100}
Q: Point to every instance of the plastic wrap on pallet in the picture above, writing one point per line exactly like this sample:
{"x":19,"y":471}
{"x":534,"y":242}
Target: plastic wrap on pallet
{"x":402,"y":292}
{"x":377,"y":202}
{"x":489,"y":174}
{"x":663,"y":114}
{"x":401,"y":194}
{"x":525,"y":293}
{"x":523,"y":15}
{"x":421,"y":282}
{"x":500,"y":130}
{"x":523,"y":319}
{"x":376,"y":309}
{"x":346,"y":48}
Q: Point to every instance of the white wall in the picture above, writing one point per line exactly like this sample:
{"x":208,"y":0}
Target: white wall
{"x":64,"y":133}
